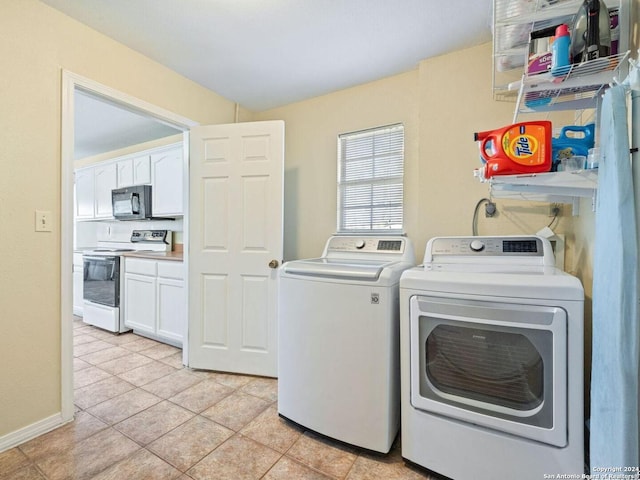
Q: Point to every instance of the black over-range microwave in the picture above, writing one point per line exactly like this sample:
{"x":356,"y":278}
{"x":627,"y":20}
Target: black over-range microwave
{"x":132,"y":203}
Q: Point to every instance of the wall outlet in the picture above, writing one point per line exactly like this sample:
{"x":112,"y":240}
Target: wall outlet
{"x":43,"y":221}
{"x":555,"y":210}
{"x":490,"y":210}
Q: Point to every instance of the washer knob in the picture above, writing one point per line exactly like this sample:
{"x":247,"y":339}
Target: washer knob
{"x":477,"y":246}
{"x":360,"y":244}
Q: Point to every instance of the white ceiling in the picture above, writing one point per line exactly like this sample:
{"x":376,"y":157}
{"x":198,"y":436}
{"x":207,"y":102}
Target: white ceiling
{"x":268,"y":53}
{"x":101,"y":127}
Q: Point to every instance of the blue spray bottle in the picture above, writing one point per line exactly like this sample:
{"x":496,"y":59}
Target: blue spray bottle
{"x":560,"y":60}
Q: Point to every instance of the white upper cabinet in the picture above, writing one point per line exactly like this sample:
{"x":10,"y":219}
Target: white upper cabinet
{"x":134,"y":171}
{"x":85,"y":193}
{"x":106,"y":179}
{"x":167,"y":181}
{"x":161,"y":167}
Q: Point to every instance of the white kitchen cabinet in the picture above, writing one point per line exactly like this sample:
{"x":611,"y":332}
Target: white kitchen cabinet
{"x":140,"y":303}
{"x":84,"y":193}
{"x":155,"y":302}
{"x":78,"y":278}
{"x":106,"y":179}
{"x":167,"y":180}
{"x":134,"y":171}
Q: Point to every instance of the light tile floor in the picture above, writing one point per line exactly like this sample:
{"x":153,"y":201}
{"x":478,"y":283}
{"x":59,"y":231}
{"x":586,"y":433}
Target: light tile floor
{"x":141,"y":415}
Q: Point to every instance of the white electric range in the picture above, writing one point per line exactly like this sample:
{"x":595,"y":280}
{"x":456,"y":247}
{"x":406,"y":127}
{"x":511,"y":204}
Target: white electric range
{"x":103,"y":271}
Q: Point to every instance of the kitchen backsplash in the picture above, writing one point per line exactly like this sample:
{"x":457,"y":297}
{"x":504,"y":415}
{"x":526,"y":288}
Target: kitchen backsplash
{"x":88,"y":234}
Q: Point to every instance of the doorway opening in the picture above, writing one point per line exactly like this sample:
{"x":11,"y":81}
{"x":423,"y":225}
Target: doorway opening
{"x":79,"y":96}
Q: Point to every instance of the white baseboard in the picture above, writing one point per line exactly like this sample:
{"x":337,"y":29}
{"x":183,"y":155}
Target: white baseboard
{"x":34,"y":430}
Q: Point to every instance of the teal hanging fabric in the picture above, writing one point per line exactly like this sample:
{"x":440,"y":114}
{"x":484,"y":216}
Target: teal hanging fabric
{"x":616,"y":336}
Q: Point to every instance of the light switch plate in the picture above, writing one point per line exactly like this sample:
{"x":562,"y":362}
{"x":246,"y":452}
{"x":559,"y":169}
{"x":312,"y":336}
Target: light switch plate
{"x":43,"y":221}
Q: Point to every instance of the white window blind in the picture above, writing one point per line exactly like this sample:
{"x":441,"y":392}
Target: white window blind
{"x":370,"y":178}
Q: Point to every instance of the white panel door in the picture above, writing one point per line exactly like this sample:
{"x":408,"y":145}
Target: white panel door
{"x":235,"y":235}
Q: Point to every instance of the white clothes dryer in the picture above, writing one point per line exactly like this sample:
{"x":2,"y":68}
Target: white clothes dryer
{"x":492,"y":361}
{"x":338,"y":340}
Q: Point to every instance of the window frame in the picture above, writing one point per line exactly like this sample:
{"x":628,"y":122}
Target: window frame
{"x":397,"y":179}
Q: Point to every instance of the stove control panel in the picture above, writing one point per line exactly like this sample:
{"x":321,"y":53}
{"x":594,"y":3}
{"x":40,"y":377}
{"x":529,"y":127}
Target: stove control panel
{"x":151,"y":236}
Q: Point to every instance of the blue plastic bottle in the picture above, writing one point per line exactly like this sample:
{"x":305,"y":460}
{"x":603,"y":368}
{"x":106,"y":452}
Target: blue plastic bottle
{"x":560,"y":60}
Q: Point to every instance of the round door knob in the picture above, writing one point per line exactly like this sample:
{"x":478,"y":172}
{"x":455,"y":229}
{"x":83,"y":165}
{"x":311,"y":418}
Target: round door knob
{"x":477,"y":246}
{"x":274,"y":264}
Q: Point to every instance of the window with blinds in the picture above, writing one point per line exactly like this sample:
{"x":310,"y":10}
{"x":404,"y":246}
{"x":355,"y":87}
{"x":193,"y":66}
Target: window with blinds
{"x":370,"y":177}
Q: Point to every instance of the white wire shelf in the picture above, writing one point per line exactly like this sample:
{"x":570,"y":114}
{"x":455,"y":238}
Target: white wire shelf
{"x":554,"y":187}
{"x":579,"y":89}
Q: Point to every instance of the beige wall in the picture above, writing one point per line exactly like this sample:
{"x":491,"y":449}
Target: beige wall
{"x":441,"y":103}
{"x":36,"y":42}
{"x":311,"y":130}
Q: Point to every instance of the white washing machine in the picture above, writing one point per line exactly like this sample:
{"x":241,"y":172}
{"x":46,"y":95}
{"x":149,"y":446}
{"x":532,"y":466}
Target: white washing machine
{"x":491,"y":337}
{"x":338,"y":340}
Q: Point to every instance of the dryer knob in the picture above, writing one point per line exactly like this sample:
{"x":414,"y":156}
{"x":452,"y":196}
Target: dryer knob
{"x":360,"y":244}
{"x":477,"y":246}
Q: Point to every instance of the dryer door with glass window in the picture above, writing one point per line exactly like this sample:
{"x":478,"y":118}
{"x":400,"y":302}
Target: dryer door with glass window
{"x":499,"y":365}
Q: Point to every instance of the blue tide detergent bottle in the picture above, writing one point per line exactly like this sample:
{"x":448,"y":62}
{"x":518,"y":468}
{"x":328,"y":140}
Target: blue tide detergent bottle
{"x":574,"y":140}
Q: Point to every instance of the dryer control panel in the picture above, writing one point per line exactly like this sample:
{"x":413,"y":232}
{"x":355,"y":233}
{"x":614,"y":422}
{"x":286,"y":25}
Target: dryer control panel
{"x":488,"y":246}
{"x":509,"y":250}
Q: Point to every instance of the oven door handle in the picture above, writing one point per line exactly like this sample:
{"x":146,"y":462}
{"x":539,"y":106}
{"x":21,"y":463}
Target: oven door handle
{"x":101,"y":258}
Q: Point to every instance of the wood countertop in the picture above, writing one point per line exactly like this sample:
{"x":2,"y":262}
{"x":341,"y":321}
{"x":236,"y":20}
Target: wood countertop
{"x":175,"y":256}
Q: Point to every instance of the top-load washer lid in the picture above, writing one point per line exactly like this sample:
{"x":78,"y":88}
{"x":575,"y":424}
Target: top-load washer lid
{"x":335,"y":268}
{"x":362,"y":258}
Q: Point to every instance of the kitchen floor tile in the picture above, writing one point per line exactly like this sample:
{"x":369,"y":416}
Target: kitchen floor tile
{"x":88,"y":457}
{"x":238,"y":458}
{"x":89,"y":375}
{"x":265,"y":388}
{"x":124,"y":406}
{"x":57,"y":441}
{"x":98,"y":392}
{"x":87,"y":348}
{"x":202,"y":395}
{"x":286,"y":469}
{"x":236,"y":410}
{"x":122,"y":338}
{"x":189,"y":443}
{"x":83,"y":338}
{"x":30,"y":472}
{"x":271,"y":430}
{"x":142,"y":465}
{"x":104,"y":355}
{"x":331,"y":458}
{"x":153,"y":422}
{"x":12,"y":460}
{"x":389,"y":467}
{"x":147,"y":373}
{"x":162,"y":421}
{"x":230,"y":379}
{"x":174,"y":360}
{"x":126,"y":362}
{"x":79,"y":364}
{"x":160,"y":350}
{"x":139,"y":344}
{"x":172,"y":384}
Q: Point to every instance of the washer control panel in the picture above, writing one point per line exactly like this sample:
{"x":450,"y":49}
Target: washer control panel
{"x":488,"y":246}
{"x":366,"y":244}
